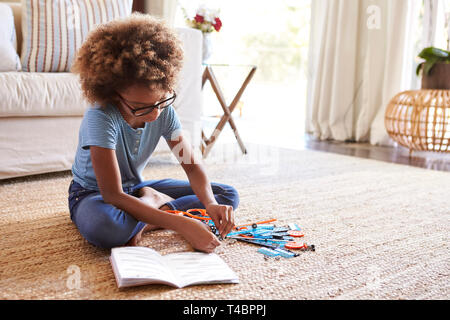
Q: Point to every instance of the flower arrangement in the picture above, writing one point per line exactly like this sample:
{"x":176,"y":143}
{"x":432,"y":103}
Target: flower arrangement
{"x":205,"y":19}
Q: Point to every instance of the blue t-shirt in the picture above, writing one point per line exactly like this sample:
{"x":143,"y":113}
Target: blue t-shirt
{"x":106,"y":128}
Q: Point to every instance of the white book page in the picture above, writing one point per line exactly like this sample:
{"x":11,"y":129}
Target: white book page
{"x":141,"y":264}
{"x":196,"y":267}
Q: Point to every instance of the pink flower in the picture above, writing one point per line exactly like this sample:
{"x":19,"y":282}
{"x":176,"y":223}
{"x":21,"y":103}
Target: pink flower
{"x":218,"y":24}
{"x":199,"y":19}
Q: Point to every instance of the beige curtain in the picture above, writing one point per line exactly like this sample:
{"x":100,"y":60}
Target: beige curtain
{"x":162,"y":8}
{"x":360,"y":57}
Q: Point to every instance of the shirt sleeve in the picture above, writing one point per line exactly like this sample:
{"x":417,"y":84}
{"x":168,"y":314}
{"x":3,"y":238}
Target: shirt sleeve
{"x":171,"y":126}
{"x":98,"y":130}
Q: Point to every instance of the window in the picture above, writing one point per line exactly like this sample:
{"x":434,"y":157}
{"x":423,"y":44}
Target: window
{"x":436,"y":28}
{"x":274,"y":36}
{"x":431,"y":28}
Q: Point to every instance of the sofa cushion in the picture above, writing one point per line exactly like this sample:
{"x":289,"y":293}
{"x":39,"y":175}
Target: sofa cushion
{"x":9,"y":60}
{"x":53,"y":30}
{"x":24,"y":94}
{"x":40,"y":94}
{"x":17,"y":12}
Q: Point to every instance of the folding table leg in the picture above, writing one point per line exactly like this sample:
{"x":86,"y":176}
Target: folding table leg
{"x":208,"y":74}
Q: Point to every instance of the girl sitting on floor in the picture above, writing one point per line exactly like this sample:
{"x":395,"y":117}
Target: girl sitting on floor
{"x":128,"y":70}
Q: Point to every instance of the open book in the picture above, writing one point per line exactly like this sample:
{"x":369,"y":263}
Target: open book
{"x":134,"y":266}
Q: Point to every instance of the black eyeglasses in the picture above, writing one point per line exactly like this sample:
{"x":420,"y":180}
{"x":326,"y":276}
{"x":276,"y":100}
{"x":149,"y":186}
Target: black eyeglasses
{"x":139,"y":112}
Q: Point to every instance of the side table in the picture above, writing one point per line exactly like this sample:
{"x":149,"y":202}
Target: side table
{"x":208,"y":75}
{"x":420,"y":120}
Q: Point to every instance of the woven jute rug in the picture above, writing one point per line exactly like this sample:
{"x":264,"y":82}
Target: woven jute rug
{"x":381,"y":231}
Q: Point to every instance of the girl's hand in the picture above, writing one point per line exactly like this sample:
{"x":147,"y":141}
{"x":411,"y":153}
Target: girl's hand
{"x":199,"y":235}
{"x":222,"y":216}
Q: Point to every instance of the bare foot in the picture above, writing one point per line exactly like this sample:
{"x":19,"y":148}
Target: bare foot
{"x":152,"y":197}
{"x":155,"y":199}
{"x":134,"y":241}
{"x":148,"y":227}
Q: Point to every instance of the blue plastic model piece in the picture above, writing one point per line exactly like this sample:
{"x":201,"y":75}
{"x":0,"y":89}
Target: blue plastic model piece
{"x":239,"y":232}
{"x":266,"y":226}
{"x":284,"y":253}
{"x":269,"y":252}
{"x":294,"y":226}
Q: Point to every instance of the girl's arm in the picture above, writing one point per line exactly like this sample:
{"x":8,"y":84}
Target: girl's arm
{"x":222,"y":215}
{"x":106,"y":168}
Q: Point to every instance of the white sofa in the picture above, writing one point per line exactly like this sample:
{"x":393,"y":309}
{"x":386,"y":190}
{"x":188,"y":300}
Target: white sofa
{"x":40,"y":113}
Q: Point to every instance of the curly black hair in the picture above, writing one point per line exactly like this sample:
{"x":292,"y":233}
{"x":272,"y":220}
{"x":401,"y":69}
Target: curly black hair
{"x":137,"y":50}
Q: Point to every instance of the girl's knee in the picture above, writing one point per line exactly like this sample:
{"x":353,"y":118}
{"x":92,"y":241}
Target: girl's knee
{"x":108,"y":234}
{"x":227,"y":195}
{"x":104,"y":225}
{"x":235,"y":197}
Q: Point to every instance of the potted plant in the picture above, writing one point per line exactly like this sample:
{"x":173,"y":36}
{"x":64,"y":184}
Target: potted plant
{"x":435,"y":69}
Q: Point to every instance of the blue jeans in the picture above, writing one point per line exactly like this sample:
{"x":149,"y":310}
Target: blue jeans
{"x":106,"y":226}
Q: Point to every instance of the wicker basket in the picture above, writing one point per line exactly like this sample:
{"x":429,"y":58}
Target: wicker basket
{"x":420,"y":120}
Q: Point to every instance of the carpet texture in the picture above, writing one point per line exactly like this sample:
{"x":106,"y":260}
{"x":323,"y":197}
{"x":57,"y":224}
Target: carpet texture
{"x":381,"y":231}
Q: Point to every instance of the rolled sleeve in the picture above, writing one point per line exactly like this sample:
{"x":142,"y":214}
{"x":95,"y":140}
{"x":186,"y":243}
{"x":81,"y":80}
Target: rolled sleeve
{"x":171,"y":124}
{"x":100,"y":130}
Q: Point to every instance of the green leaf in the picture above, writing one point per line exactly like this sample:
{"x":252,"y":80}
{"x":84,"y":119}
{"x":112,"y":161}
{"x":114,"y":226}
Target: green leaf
{"x":441,"y":53}
{"x":434,"y":53}
{"x":428,"y":65}
{"x":419,"y":67}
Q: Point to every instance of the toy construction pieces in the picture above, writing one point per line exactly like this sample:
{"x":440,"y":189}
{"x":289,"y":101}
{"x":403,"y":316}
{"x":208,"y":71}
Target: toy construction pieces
{"x":299,"y":246}
{"x":275,"y":242}
{"x":269,"y":252}
{"x":277,"y":253}
{"x":199,"y":214}
{"x":295,"y":233}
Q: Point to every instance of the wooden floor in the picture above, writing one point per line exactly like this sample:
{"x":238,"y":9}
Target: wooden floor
{"x":289,"y":136}
{"x":252,"y":132}
{"x":426,"y":160}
